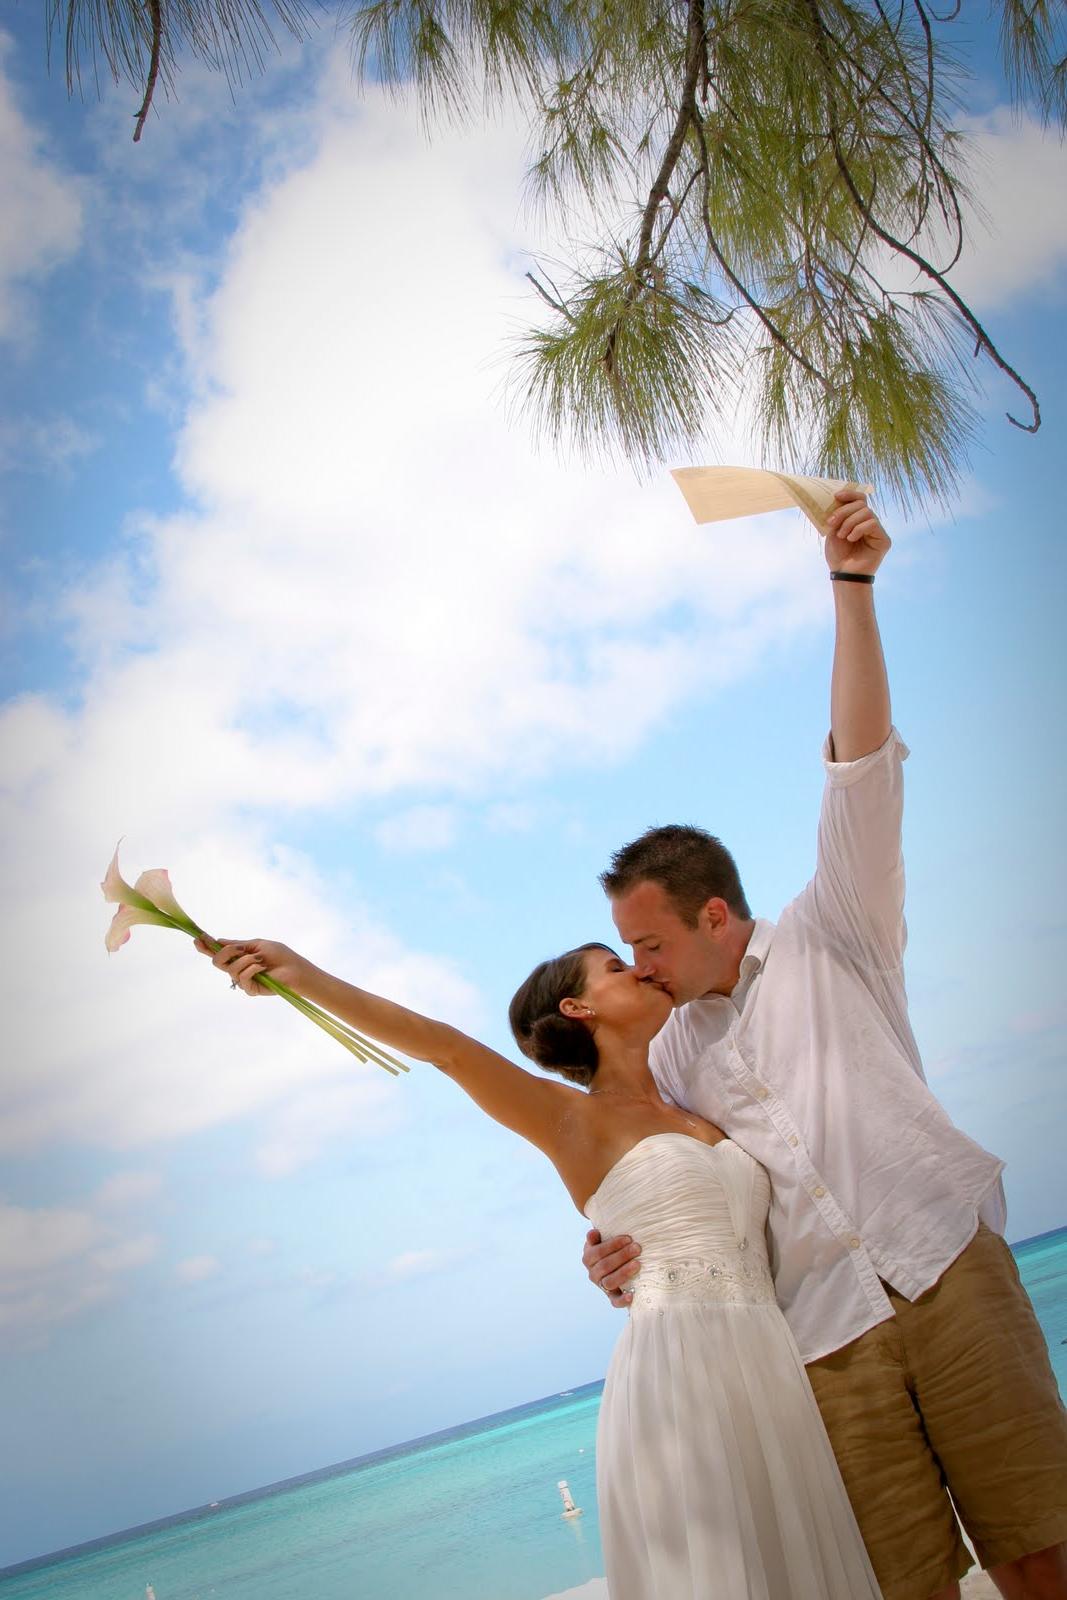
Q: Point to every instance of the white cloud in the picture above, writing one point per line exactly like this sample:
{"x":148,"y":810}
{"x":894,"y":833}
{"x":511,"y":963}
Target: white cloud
{"x":152,"y":1044}
{"x":1015,"y":228}
{"x":1027,"y":1023}
{"x":316,"y":1116}
{"x":318,"y":1278}
{"x":379,"y":587}
{"x":124,"y":1189}
{"x":197,"y":1269}
{"x":40,"y":206}
{"x":422,"y":1263}
{"x":57,"y":1262}
{"x":32,"y":1241}
{"x":1019,"y":238}
{"x":511,"y":816}
{"x":129,"y":1254}
{"x":418,"y":828}
{"x":52,"y":444}
{"x":27,"y":1318}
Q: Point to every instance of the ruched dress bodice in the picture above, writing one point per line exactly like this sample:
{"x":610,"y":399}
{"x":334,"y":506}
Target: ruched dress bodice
{"x":699,"y":1212}
{"x":715,"y":1477}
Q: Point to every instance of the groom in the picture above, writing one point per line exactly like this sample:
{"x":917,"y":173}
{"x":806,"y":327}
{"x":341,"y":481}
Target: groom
{"x":929,"y":1366}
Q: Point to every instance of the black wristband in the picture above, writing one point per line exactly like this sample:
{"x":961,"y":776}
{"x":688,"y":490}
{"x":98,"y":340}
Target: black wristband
{"x":852,"y":577}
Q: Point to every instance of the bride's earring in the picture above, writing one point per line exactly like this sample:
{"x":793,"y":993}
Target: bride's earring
{"x":585,"y":1012}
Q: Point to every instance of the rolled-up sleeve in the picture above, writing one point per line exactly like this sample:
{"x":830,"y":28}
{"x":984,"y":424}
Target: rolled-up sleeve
{"x":857,"y":893}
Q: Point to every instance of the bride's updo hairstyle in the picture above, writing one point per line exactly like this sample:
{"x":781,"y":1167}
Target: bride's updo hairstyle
{"x":561,"y":1044}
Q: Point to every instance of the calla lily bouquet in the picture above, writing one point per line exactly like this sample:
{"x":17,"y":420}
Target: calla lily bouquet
{"x":151,"y":899}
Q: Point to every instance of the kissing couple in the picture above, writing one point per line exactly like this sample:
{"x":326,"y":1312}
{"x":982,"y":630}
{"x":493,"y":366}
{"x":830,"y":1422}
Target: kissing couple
{"x":829,"y":1362}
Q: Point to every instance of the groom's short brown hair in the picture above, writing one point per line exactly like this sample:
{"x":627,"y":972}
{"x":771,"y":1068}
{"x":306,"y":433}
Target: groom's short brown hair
{"x":692,"y":866}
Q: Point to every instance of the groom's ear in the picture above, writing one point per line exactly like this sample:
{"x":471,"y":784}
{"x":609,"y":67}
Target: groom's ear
{"x":713,"y":918}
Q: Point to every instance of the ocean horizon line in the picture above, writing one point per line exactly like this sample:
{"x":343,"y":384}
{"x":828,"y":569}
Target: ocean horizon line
{"x":489,"y":1423}
{"x":1036,"y":1238}
{"x":439,"y":1436}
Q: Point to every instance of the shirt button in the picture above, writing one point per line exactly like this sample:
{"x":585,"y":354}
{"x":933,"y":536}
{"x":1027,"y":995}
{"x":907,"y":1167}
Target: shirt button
{"x":854,"y":1243}
{"x":793,"y":1140}
{"x":819,"y":1192}
{"x":762,"y":1092}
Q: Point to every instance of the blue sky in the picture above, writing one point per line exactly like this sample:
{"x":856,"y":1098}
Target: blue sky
{"x":292,"y":603}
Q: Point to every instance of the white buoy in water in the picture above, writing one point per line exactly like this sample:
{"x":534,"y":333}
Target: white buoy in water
{"x":569,"y":1507}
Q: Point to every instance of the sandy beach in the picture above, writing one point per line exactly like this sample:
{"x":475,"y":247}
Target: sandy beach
{"x":975,"y":1586}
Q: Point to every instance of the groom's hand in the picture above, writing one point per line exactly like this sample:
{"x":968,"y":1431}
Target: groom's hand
{"x":855,"y":539}
{"x":611,"y":1264}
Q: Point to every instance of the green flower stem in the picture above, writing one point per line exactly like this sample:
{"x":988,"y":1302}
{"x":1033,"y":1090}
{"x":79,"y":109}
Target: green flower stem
{"x":338,"y":1030}
{"x":370,"y":1049}
{"x":353,"y":1041}
{"x":365,"y":1048}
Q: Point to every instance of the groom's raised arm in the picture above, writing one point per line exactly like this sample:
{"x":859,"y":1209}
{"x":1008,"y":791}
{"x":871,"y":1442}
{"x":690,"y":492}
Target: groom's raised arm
{"x":855,"y":546}
{"x":857,"y":894}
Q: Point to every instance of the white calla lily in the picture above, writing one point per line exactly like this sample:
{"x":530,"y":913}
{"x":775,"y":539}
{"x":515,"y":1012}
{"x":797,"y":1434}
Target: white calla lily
{"x":151,"y":900}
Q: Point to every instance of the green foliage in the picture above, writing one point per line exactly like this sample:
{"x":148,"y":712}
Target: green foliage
{"x":1033,"y":35}
{"x":230,"y":36}
{"x":794,"y":185}
{"x":632,"y":359}
{"x":790,"y":162}
{"x":889,"y":402}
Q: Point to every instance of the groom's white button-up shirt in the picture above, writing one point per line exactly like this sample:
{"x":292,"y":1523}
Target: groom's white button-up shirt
{"x":810,"y":1064}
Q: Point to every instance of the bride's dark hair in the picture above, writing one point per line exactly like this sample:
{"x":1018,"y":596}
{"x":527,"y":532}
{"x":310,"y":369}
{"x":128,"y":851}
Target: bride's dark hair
{"x":562,"y":1044}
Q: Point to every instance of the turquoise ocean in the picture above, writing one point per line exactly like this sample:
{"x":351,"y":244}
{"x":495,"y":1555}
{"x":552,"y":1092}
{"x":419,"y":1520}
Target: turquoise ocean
{"x":473,"y":1513}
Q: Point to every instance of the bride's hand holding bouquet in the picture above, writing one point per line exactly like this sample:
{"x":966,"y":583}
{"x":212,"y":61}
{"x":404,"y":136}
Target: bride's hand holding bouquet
{"x":246,"y":962}
{"x":258,"y":967}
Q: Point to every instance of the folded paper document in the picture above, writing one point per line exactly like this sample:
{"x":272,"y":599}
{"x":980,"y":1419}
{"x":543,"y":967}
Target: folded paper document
{"x":714,"y":494}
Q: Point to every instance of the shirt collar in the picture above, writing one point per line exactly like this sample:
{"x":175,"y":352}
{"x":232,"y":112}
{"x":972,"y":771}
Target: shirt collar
{"x":756,"y":951}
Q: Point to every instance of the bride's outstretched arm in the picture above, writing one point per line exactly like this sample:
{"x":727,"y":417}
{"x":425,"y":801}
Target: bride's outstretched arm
{"x":528,"y":1104}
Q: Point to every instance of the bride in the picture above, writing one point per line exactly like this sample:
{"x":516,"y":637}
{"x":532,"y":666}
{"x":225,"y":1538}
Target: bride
{"x":715,"y":1477}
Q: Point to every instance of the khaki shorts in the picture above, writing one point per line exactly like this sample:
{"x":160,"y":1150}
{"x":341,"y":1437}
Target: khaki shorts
{"x":954,"y":1392}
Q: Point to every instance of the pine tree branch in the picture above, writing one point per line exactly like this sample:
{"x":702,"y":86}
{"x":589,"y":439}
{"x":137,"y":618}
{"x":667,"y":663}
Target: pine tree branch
{"x":676,"y":211}
{"x":736,"y":283}
{"x":155,"y":13}
{"x":864,"y":207}
{"x":920,"y":122}
{"x":946,"y":186}
{"x":557,"y":304}
{"x":929,"y":33}
{"x":694,"y":60}
{"x":687,"y":110}
{"x":142,"y":41}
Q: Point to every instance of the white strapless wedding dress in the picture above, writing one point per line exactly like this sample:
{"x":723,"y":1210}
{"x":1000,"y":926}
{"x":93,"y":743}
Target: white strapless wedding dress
{"x":715,"y":1477}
